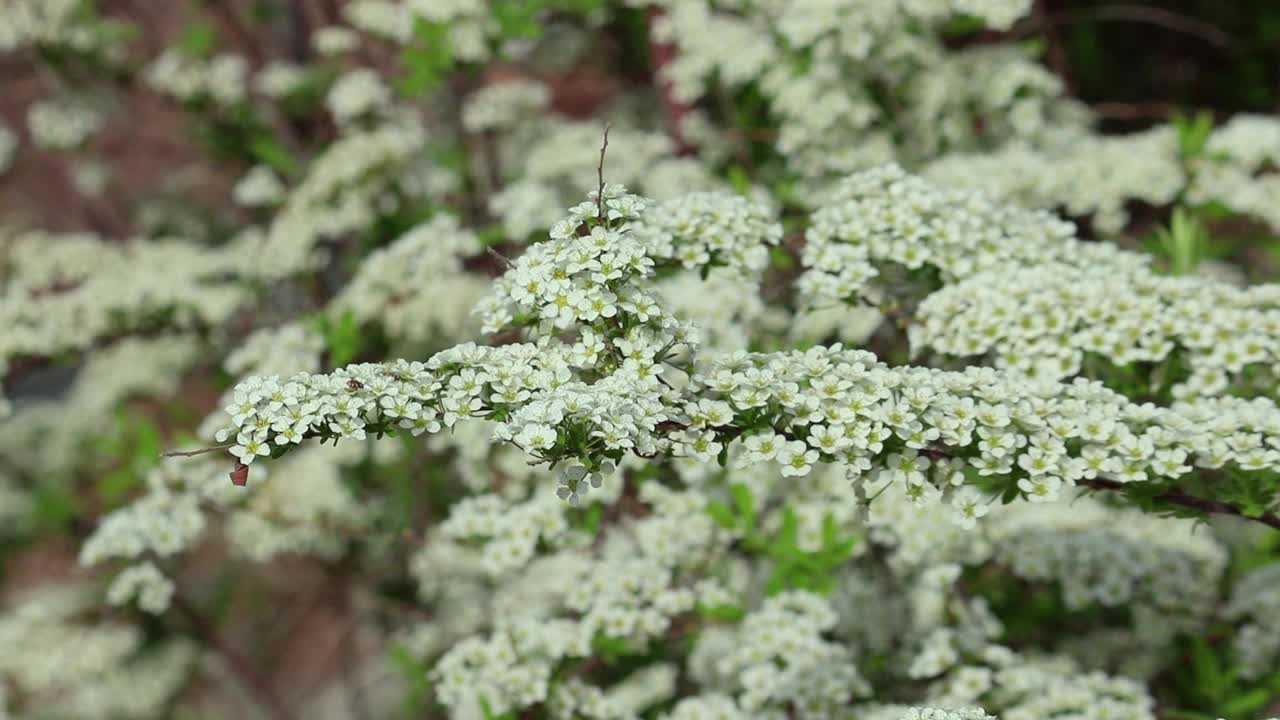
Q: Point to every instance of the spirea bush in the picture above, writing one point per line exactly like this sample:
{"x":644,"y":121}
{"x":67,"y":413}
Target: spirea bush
{"x":626,"y":359}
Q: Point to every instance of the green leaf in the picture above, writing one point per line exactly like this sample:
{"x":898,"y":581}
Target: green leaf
{"x":199,"y":39}
{"x":517,"y":19}
{"x":1246,"y":704}
{"x":781,"y":259}
{"x":268,"y":151}
{"x":739,"y":179}
{"x":1193,"y":133}
{"x":591,"y":519}
{"x":722,"y":515}
{"x":722,"y":613}
{"x":147,"y":450}
{"x":343,"y":338}
{"x":785,"y":546}
{"x":1185,"y":242}
{"x":427,"y":58}
{"x":1210,"y":678}
{"x":417,"y":686}
{"x":54,"y":506}
{"x":113,"y":486}
{"x":610,"y":648}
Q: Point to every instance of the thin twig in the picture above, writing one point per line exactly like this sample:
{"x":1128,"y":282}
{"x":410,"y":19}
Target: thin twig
{"x":193,"y":453}
{"x":663,"y":54}
{"x":600,"y":173}
{"x":1132,"y":13}
{"x":1182,"y":499}
{"x":506,"y":261}
{"x":1055,"y":54}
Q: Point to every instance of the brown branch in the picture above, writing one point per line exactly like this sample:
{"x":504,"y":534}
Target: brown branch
{"x":1159,"y":17}
{"x":1055,"y":53}
{"x":663,"y":54}
{"x":1182,"y":499}
{"x":244,"y":37}
{"x":193,"y":453}
{"x":600,"y":173}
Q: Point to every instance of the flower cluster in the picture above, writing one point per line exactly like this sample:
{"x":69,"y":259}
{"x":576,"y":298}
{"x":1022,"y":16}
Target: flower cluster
{"x":818,"y":66}
{"x":53,"y":303}
{"x":417,"y":288}
{"x":1103,"y":556}
{"x":358,"y":94}
{"x":1256,"y":602}
{"x":77,"y":668}
{"x":1047,"y":319}
{"x":1093,"y":176}
{"x":1239,"y":168}
{"x":345,"y":189}
{"x":887,"y":217}
{"x":222,"y":80}
{"x":783,"y":660}
{"x":504,"y":106}
{"x":61,"y":124}
{"x":550,"y":173}
{"x":260,"y":187}
{"x":59,"y":24}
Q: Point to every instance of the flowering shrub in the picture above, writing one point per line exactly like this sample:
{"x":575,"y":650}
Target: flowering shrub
{"x":457,"y":363}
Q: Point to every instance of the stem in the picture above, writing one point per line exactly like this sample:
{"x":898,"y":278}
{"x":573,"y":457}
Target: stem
{"x":662,"y":55}
{"x":600,"y":173}
{"x":1182,"y":499}
{"x":1159,"y":17}
{"x":193,"y":453}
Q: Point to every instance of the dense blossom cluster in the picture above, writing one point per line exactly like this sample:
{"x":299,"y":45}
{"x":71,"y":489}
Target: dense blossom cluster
{"x":1102,"y":556}
{"x":345,"y":189}
{"x":1256,"y":603}
{"x":646,"y":463}
{"x":1239,"y":169}
{"x":83,"y":668}
{"x":61,"y":125}
{"x":66,"y":293}
{"x":1048,"y":319}
{"x":1093,"y":176}
{"x":931,"y":431}
{"x":887,"y":217}
{"x":417,"y":287}
{"x":552,"y":160}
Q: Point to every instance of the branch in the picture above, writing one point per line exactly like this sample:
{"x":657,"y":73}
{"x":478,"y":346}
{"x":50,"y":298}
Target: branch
{"x":600,"y":173}
{"x":193,"y":453}
{"x":1132,"y":13}
{"x":1182,"y":499}
{"x":663,"y":54}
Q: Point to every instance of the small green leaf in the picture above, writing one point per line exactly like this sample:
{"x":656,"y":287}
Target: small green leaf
{"x":722,"y":515}
{"x":199,"y":39}
{"x":113,"y":486}
{"x":739,"y":179}
{"x":54,"y":506}
{"x":1246,"y":704}
{"x":267,"y":150}
{"x":1210,"y":679}
{"x":722,"y":613}
{"x":427,"y":59}
{"x":517,"y":19}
